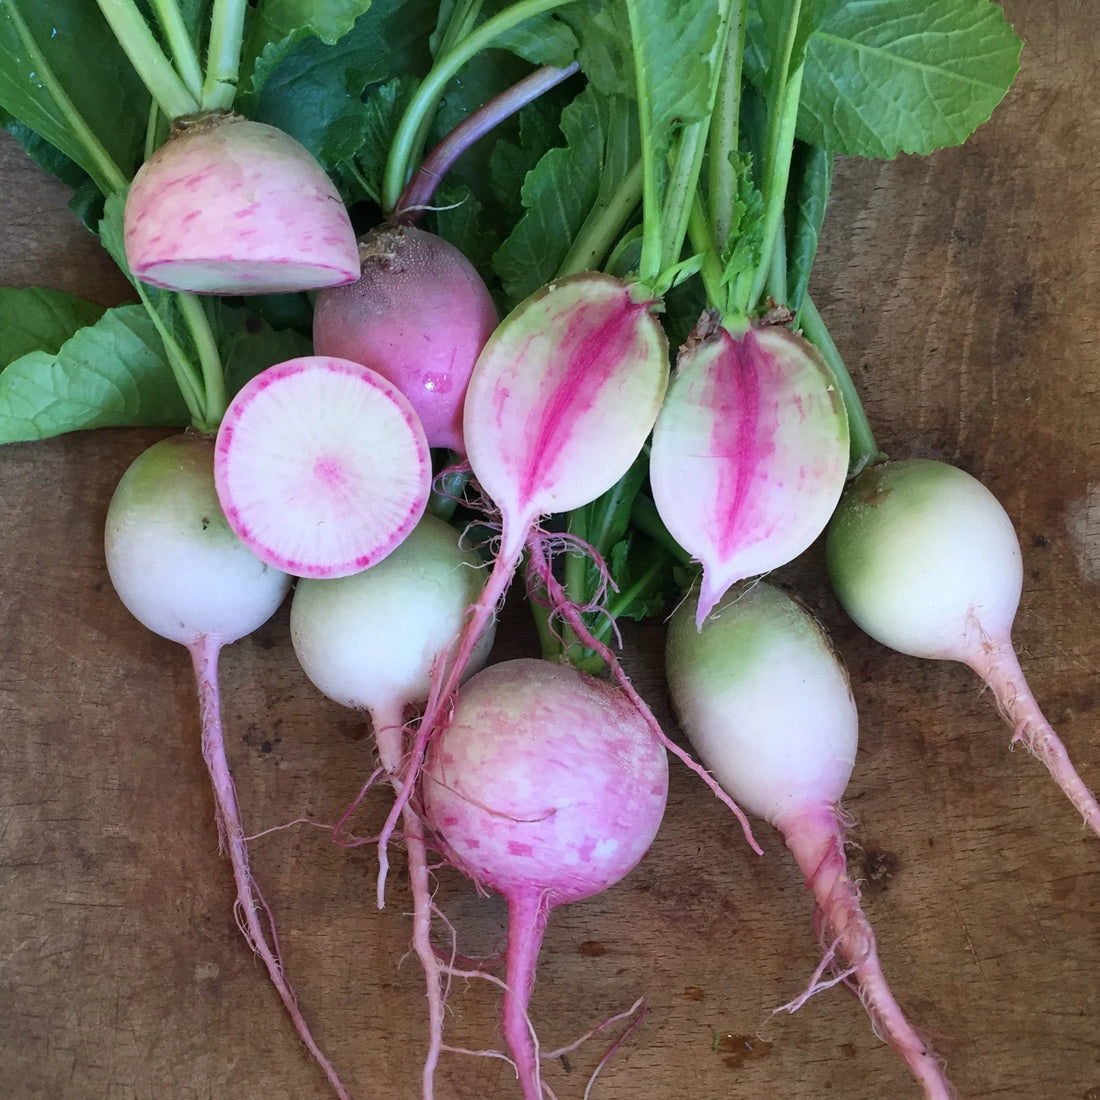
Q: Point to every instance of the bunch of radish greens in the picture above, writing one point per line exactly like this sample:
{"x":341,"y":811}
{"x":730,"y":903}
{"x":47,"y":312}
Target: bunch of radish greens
{"x":409,"y":275}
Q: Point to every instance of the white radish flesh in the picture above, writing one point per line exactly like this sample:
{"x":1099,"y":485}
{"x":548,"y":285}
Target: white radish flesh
{"x":230,"y":206}
{"x":322,"y":467}
{"x":926,"y":561}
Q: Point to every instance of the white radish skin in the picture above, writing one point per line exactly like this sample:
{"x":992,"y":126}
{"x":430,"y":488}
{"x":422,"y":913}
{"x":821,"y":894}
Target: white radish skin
{"x":322,"y":467}
{"x":926,"y":561}
{"x":548,"y":786}
{"x":182,"y":572}
{"x":767,"y":706}
{"x":419,"y":315}
{"x":230,"y":206}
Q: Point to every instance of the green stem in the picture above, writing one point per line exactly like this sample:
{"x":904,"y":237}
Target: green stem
{"x":724,"y":129}
{"x":183,"y":50}
{"x":682,"y":187}
{"x":443,"y":502}
{"x":862,"y":441}
{"x":703,"y":243}
{"x":776,"y":285}
{"x":603,"y":225}
{"x":101,"y":166}
{"x":427,"y":95}
{"x":148,"y":59}
{"x":182,"y":370}
{"x":213,"y":375}
{"x":223,"y":55}
{"x":644,"y":516}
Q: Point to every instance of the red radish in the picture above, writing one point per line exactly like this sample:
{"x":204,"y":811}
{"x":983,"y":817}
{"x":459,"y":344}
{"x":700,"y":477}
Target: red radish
{"x":767,"y":705}
{"x":186,"y":576}
{"x":750,"y":452}
{"x":926,"y":561}
{"x":548,"y":787}
{"x":369,"y":641}
{"x":321,"y":466}
{"x":419,"y":315}
{"x":229,"y":206}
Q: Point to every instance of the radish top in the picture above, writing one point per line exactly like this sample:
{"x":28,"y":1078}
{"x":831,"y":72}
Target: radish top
{"x":764,"y":701}
{"x":173,"y":559}
{"x":925,"y":559}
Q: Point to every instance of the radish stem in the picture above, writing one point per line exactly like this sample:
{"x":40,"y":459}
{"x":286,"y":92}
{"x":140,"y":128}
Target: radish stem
{"x":178,"y":37}
{"x":223,"y":56}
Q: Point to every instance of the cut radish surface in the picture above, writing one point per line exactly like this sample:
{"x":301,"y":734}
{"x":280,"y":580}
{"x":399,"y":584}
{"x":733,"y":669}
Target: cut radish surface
{"x":322,"y":467}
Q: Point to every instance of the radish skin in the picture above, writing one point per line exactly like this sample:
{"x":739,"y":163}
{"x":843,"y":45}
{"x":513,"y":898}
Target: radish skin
{"x":548,"y":787}
{"x":925,"y":560}
{"x":766,"y":704}
{"x":181,"y":571}
{"x":230,"y":206}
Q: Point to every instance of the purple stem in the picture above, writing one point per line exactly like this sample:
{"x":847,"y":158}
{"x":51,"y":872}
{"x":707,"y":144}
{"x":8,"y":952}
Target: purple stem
{"x":420,"y":189}
{"x":231,"y":836}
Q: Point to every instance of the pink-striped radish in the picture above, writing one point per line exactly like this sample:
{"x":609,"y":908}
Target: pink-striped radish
{"x":926,"y":561}
{"x":547,"y":786}
{"x":182,"y":572}
{"x":369,"y":641}
{"x":767,"y":705}
{"x":321,"y":466}
{"x":230,"y":206}
{"x":419,"y":315}
{"x":750,"y":452}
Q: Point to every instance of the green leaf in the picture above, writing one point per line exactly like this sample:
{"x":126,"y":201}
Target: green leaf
{"x":75,"y":42}
{"x":543,"y":40}
{"x":807,"y":196}
{"x":111,"y":374}
{"x":605,"y":53}
{"x":459,"y":220}
{"x":249,"y":345}
{"x":890,"y":76}
{"x":567,"y":183}
{"x":381,"y":114}
{"x":38,"y":319}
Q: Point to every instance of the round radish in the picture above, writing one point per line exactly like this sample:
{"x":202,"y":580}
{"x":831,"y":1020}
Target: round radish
{"x":229,"y":206}
{"x":547,"y":786}
{"x":766,"y":704}
{"x":419,"y":315}
{"x":750,"y":452}
{"x":926,"y":561}
{"x":321,"y":467}
{"x":185,"y":575}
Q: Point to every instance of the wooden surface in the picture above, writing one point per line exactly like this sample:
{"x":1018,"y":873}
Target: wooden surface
{"x":962,"y":290}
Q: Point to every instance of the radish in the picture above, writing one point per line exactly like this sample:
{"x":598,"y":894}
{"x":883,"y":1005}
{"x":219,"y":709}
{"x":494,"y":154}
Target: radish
{"x":548,"y":787}
{"x":321,"y":466}
{"x":369,"y":641}
{"x":419,"y":315}
{"x":229,"y":206}
{"x":926,"y":561}
{"x":750,"y":452}
{"x":181,"y":571}
{"x":767,"y":705}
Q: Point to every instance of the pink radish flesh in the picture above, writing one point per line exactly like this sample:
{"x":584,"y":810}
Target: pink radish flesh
{"x":229,"y":206}
{"x":750,"y":452}
{"x":419,"y":315}
{"x":925,"y":560}
{"x":548,"y":787}
{"x":321,"y":467}
{"x":767,"y":706}
{"x":185,"y":575}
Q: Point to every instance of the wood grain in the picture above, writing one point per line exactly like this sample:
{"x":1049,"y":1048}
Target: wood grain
{"x":962,"y":289}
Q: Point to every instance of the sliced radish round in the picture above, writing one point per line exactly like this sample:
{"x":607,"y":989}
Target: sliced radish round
{"x":321,"y":466}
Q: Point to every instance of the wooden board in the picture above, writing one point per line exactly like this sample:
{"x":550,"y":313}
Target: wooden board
{"x":962,"y":290}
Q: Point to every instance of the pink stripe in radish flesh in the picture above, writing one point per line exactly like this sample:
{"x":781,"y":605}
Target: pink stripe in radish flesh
{"x":559,"y":405}
{"x":181,"y":571}
{"x":548,"y":787}
{"x":767,"y":706}
{"x":925,"y":560}
{"x":750,"y":452}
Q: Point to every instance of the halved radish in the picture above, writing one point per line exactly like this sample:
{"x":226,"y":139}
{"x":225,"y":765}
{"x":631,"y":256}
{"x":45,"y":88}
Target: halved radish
{"x":321,"y":466}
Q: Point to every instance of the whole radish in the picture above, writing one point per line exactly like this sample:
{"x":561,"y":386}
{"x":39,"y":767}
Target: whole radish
{"x":419,"y":315}
{"x":750,"y":452}
{"x":767,"y":705}
{"x":369,"y":641}
{"x":926,"y":561}
{"x":182,"y":572}
{"x":321,"y":466}
{"x":547,"y":786}
{"x":230,"y":206}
